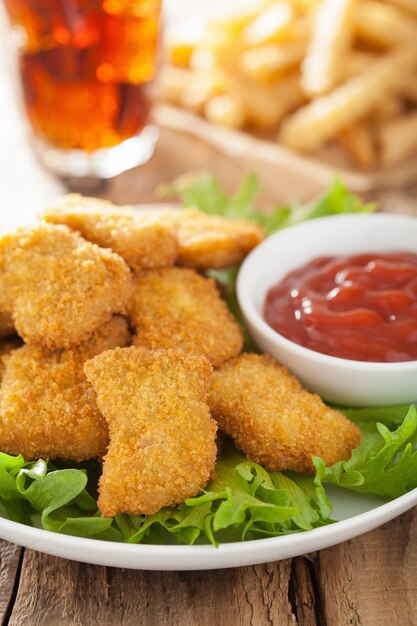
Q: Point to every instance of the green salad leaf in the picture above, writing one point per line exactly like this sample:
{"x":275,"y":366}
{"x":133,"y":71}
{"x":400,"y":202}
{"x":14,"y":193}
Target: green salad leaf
{"x":388,"y":415}
{"x":58,"y":496}
{"x":243,"y":501}
{"x":203,"y":192}
{"x":384,"y":464}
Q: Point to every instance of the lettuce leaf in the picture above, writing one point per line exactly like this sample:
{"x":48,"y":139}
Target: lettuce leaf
{"x":59,"y":496}
{"x":203,"y":192}
{"x":385,"y":463}
{"x":388,"y":415}
{"x":243,"y":501}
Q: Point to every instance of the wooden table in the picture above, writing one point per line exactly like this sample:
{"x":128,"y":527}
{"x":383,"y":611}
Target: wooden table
{"x":370,"y":580}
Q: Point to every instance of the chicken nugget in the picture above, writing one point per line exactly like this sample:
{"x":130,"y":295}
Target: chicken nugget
{"x":7,"y":346}
{"x":59,"y":287}
{"x":47,"y":407}
{"x":6,"y":325}
{"x":162,"y":439}
{"x":178,"y":308}
{"x":211,"y":241}
{"x":139,"y":237}
{"x":274,"y":420}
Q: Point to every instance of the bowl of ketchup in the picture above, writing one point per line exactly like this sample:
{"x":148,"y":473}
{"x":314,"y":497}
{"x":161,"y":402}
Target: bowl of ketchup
{"x":335,"y":301}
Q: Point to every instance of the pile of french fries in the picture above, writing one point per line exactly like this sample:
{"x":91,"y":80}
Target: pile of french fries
{"x":309,"y":73}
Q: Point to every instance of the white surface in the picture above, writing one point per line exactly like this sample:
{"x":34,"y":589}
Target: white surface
{"x":25,"y":186}
{"x":353,"y":383}
{"x":364,"y":517}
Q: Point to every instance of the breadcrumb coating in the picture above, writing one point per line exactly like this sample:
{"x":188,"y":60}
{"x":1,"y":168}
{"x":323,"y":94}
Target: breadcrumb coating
{"x":274,"y":420}
{"x":7,"y":346}
{"x":139,"y":237}
{"x":178,"y":308}
{"x":162,"y":437}
{"x":59,"y":287}
{"x":210,"y":241}
{"x":47,"y":407}
{"x":6,"y":325}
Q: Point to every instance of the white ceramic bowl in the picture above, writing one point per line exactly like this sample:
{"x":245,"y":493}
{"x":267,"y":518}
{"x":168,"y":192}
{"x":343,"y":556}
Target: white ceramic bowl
{"x":353,"y":383}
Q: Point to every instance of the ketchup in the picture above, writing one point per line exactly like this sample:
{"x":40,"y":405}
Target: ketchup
{"x":361,"y":307}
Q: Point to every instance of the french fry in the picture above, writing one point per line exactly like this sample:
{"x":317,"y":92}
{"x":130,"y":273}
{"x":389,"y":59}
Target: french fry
{"x":304,"y":5}
{"x":359,"y":142}
{"x":301,"y":27}
{"x":407,"y":5}
{"x":324,"y":118}
{"x":229,"y":23}
{"x":272,"y":24}
{"x":398,"y":139}
{"x":267,"y":62}
{"x":384,"y":24}
{"x":203,"y":58}
{"x":226,"y":111}
{"x":357,"y":62}
{"x":173,"y":81}
{"x":218,"y":50}
{"x":331,"y":38}
{"x":243,"y":70}
{"x":180,"y":44}
{"x":267,"y":104}
{"x":205,"y":85}
{"x":389,"y":107}
{"x":409,"y":91}
{"x":223,"y":33}
{"x":189,"y":88}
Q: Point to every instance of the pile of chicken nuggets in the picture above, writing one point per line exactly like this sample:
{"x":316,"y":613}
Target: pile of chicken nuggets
{"x":115,"y":345}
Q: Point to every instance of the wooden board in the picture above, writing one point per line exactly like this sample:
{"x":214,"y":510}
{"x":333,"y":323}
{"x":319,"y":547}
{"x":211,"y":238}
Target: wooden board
{"x":368,"y":581}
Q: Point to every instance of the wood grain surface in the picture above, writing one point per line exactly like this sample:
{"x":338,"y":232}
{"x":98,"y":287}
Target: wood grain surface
{"x":369,"y":581}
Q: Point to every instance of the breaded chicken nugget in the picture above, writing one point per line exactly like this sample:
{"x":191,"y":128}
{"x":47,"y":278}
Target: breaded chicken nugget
{"x":210,"y":241}
{"x":47,"y":407}
{"x":7,"y":346}
{"x":274,"y":420}
{"x":162,"y":439}
{"x":6,"y":325}
{"x":139,"y":237}
{"x":59,"y":287}
{"x":178,"y":308}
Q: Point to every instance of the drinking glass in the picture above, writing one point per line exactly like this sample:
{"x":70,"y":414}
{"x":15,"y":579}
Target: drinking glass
{"x":85,"y":68}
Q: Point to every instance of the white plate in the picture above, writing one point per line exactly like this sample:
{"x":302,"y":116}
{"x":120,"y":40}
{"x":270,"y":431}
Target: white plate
{"x":358,"y":513}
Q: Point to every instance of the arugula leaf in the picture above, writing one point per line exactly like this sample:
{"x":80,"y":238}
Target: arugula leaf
{"x":384,"y":464}
{"x":203,"y":192}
